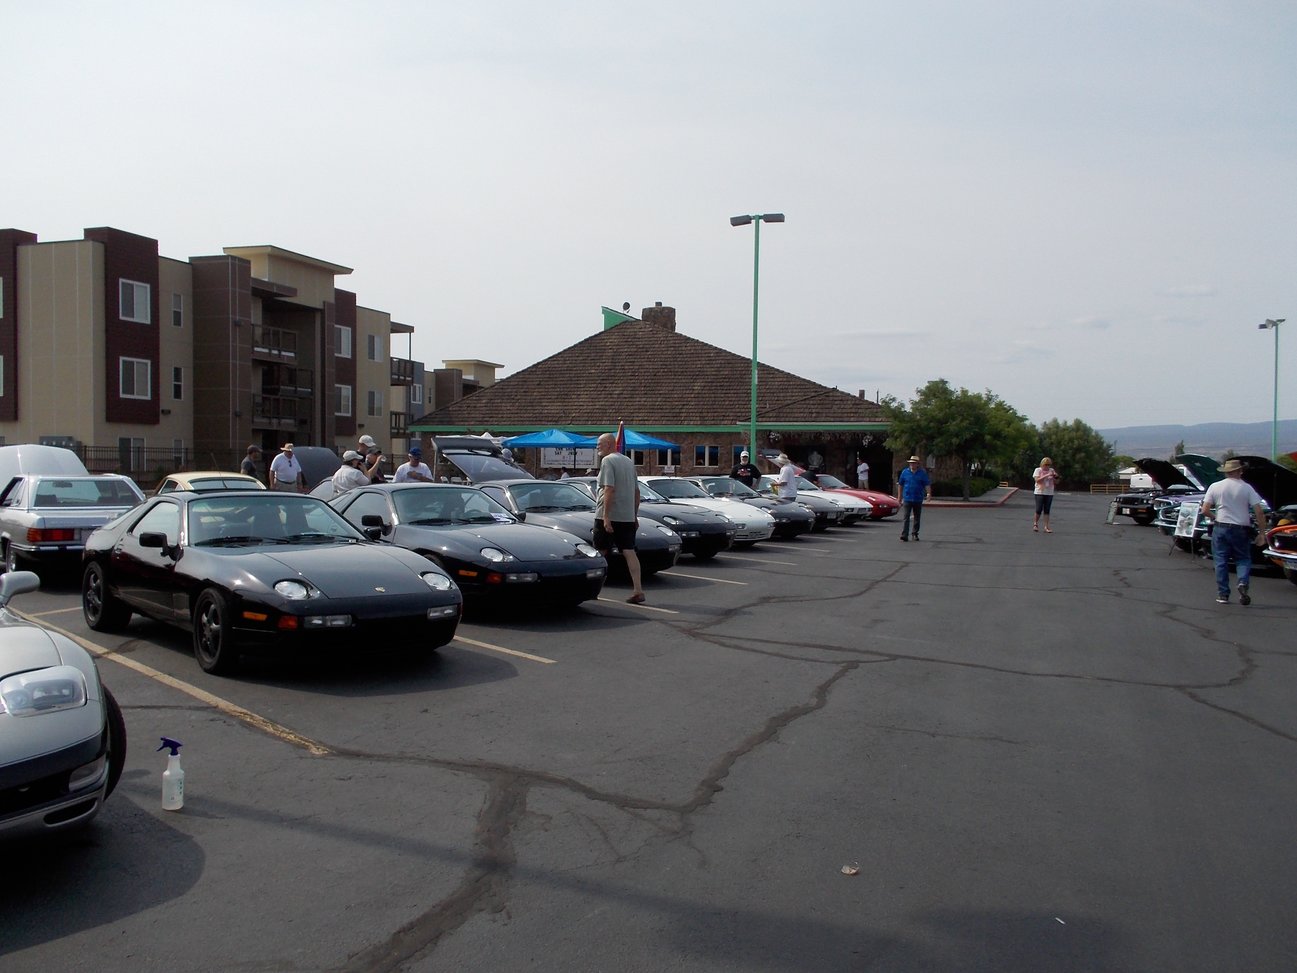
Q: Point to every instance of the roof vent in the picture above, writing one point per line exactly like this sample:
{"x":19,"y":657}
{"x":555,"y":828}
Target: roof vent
{"x":663,"y":317}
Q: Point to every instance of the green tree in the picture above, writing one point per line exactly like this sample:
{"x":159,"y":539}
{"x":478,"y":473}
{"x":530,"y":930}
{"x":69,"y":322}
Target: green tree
{"x":977,"y":428}
{"x":1080,"y":454}
{"x":1177,"y":450}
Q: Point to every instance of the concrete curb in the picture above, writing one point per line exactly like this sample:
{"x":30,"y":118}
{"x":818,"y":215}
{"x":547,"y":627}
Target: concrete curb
{"x":986,"y":500}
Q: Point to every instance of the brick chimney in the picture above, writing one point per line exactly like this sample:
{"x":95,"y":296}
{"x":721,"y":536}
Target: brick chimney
{"x":663,"y":317}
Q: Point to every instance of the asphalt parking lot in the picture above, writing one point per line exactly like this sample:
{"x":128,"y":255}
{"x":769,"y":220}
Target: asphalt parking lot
{"x":992,"y":750}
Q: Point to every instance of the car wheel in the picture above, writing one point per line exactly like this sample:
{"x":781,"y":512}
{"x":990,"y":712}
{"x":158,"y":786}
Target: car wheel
{"x":116,"y":740}
{"x":213,"y":636}
{"x":704,"y":555}
{"x":1142,"y":519}
{"x":10,"y":562}
{"x":103,"y":612}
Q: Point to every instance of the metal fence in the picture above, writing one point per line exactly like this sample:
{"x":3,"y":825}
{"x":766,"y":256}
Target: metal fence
{"x":146,"y":465}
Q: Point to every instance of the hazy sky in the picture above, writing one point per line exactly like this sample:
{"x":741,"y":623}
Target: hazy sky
{"x":1086,"y":208}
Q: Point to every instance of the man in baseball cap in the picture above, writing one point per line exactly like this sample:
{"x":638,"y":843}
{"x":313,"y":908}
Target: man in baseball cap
{"x":415,"y":470}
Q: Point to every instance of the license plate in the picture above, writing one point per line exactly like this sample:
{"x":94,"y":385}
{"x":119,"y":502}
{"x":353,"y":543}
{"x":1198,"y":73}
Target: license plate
{"x":1125,"y":510}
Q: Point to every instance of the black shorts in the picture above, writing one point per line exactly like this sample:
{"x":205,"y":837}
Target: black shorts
{"x":623,"y":536}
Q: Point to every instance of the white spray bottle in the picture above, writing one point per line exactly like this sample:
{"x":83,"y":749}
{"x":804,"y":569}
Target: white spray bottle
{"x":173,"y":778}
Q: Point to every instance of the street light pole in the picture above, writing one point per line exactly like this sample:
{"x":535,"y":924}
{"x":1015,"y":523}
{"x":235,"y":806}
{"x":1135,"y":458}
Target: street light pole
{"x":758,"y":219}
{"x":1273,"y":325}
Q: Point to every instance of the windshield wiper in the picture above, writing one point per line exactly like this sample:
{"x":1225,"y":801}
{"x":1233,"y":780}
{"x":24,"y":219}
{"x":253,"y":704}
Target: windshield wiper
{"x":310,"y":537}
{"x":430,"y":522}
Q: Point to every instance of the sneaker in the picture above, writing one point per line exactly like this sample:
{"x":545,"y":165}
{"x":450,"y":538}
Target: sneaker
{"x":904,"y":538}
{"x":1243,"y":597}
{"x":916,"y":537}
{"x":1222,"y":599}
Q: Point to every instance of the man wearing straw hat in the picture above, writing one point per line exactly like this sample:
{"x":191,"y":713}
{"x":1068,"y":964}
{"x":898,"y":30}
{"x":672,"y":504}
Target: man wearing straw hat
{"x":1232,"y":503}
{"x":913,"y":487}
{"x":286,"y":472}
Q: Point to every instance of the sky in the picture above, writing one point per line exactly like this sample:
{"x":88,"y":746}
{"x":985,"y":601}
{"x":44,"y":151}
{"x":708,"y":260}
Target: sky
{"x":1084,"y":208}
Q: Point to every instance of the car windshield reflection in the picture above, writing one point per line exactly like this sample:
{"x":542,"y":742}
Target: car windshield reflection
{"x":442,"y":507}
{"x":233,"y":521}
{"x":545,"y":496}
{"x":680,"y":490}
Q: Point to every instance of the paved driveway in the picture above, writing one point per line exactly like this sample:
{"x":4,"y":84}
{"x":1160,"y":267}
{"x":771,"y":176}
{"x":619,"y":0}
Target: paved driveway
{"x":1036,"y":753}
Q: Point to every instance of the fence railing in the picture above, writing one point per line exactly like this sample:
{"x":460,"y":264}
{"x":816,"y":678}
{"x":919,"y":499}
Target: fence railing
{"x":1108,"y":488}
{"x":146,"y":465}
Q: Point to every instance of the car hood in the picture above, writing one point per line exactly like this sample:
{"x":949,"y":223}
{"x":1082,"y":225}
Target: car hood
{"x":1274,"y":482}
{"x":688,"y":512}
{"x":24,"y":648}
{"x":581,"y":523}
{"x":1163,"y":473}
{"x":338,"y":570}
{"x":527,"y":542}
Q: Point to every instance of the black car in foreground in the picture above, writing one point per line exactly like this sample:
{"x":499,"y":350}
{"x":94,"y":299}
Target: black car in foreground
{"x":62,"y":737}
{"x":486,"y":549}
{"x":703,"y":533}
{"x":553,"y":503}
{"x":266,"y":571}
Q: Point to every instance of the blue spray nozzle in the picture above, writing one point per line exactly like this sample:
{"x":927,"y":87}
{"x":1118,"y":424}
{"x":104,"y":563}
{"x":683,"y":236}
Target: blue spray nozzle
{"x":174,"y":746}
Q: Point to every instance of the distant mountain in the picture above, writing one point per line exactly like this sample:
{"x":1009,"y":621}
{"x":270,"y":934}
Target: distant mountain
{"x":1208,"y":438}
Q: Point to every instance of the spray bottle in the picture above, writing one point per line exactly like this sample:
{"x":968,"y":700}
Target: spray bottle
{"x":173,"y":778}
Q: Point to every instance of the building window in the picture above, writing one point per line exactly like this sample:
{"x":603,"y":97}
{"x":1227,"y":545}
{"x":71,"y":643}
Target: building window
{"x":374,"y":403}
{"x":177,"y":383}
{"x":342,"y":400}
{"x":707,"y":456}
{"x":375,"y":347}
{"x":668,"y":457}
{"x":341,"y":341}
{"x":130,"y":452}
{"x":178,"y":310}
{"x":178,"y":453}
{"x":135,"y":303}
{"x":136,"y":378}
{"x":416,"y":395}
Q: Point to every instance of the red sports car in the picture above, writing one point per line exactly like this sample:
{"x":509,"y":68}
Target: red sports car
{"x":884,"y":505}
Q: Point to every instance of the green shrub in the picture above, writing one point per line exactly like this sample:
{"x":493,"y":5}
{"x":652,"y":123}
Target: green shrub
{"x":977,"y":485}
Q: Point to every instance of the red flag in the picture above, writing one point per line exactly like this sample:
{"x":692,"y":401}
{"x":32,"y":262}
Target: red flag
{"x":621,"y":436}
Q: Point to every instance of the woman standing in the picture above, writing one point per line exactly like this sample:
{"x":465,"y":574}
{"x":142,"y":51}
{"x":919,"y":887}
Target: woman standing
{"x":1044,"y":475}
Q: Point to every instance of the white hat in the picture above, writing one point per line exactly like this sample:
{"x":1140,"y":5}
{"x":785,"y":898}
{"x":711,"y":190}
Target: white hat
{"x":367,"y":441}
{"x":743,"y":455}
{"x":287,"y":447}
{"x":782,"y":460}
{"x":350,"y":456}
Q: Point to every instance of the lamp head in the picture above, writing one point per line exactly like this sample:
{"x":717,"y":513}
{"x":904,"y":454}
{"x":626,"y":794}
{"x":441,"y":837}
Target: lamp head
{"x":1271,"y":323}
{"x":740,"y":220}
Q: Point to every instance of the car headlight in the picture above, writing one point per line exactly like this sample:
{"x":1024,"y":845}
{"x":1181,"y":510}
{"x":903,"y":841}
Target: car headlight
{"x":668,"y":531}
{"x":294,"y":590}
{"x":672,"y":521}
{"x":43,"y":691}
{"x":587,"y":549}
{"x":495,"y":555}
{"x":436,"y":580}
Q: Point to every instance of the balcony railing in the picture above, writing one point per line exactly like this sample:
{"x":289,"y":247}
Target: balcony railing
{"x":277,"y":412}
{"x":276,"y":343}
{"x":402,"y":371}
{"x":398,"y":424}
{"x":285,"y":380}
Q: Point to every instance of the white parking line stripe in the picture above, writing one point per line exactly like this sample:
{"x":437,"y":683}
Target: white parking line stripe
{"x":499,"y":648}
{"x":758,"y":560}
{"x":56,"y":611}
{"x":647,"y":608}
{"x":224,"y":705}
{"x":702,"y":577}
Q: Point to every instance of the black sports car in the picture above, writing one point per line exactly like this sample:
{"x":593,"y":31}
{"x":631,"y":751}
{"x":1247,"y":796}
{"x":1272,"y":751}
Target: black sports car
{"x":488,"y":552}
{"x":257,"y":569}
{"x":827,"y":513}
{"x":62,"y":737}
{"x":1171,"y":482}
{"x":553,"y":503}
{"x":703,"y":533}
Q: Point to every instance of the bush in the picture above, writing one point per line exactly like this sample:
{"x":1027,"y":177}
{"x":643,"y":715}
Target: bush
{"x":977,"y":485}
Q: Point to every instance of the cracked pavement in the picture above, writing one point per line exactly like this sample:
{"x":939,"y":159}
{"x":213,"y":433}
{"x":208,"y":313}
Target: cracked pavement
{"x":1042,"y":752}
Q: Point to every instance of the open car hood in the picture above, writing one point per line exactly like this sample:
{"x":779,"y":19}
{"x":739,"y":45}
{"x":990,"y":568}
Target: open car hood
{"x":1164,"y":473}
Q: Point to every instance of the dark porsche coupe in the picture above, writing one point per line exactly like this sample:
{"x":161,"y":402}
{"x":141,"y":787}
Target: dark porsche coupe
{"x":257,"y":569}
{"x":485,"y":548}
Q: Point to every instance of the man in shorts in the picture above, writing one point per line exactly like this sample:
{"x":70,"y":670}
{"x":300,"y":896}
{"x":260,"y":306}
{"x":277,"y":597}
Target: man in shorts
{"x":616,"y":511}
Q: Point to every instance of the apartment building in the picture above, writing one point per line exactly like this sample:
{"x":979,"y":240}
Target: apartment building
{"x":145,"y":363}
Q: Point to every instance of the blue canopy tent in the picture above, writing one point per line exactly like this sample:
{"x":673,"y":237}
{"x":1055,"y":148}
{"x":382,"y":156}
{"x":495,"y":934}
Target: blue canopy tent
{"x":557,"y":438}
{"x":637,"y":440}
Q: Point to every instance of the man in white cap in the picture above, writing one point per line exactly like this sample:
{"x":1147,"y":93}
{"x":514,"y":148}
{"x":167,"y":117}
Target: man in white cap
{"x":286,"y":472}
{"x":349,"y":475}
{"x":373,"y":459}
{"x":1232,"y":503}
{"x":746,"y":473}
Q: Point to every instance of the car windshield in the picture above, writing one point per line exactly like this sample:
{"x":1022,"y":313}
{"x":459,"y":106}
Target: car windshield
{"x":262,"y":517}
{"x":85,"y":491}
{"x":676,"y":489}
{"x":550,"y":496}
{"x":474,"y":466}
{"x":723,"y":486}
{"x":437,"y":506}
{"x":649,"y":495}
{"x":830,"y":482}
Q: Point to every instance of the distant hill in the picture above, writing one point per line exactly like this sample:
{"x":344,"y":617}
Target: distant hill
{"x":1208,"y":438}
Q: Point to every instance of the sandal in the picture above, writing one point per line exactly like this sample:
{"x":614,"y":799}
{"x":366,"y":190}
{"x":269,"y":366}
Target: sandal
{"x":1035,"y":528}
{"x":635,"y":599}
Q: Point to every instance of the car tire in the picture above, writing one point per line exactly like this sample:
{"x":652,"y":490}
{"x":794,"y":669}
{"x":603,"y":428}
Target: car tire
{"x":1142,"y":519}
{"x":10,"y":561}
{"x":116,"y":740}
{"x":102,"y":610}
{"x":704,"y":555}
{"x":214,"y":646}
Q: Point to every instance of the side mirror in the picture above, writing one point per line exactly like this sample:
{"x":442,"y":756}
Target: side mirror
{"x":157,"y":540}
{"x":521,"y":516}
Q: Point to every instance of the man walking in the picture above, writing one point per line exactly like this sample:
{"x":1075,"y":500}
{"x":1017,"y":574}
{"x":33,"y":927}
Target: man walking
{"x":616,"y":512}
{"x":914,"y":486}
{"x":1233,"y":502}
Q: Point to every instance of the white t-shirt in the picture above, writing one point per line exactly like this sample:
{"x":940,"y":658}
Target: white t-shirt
{"x":787,"y":482}
{"x":348,"y":478}
{"x":1232,"y":500}
{"x":405,"y":469}
{"x":285,"y":470}
{"x":862,"y":471}
{"x":1044,"y":485}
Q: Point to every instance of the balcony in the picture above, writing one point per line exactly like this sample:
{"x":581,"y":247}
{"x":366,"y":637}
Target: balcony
{"x":274,"y":344}
{"x":286,"y":380}
{"x":402,"y":371}
{"x":398,"y":425}
{"x":278,"y":412}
